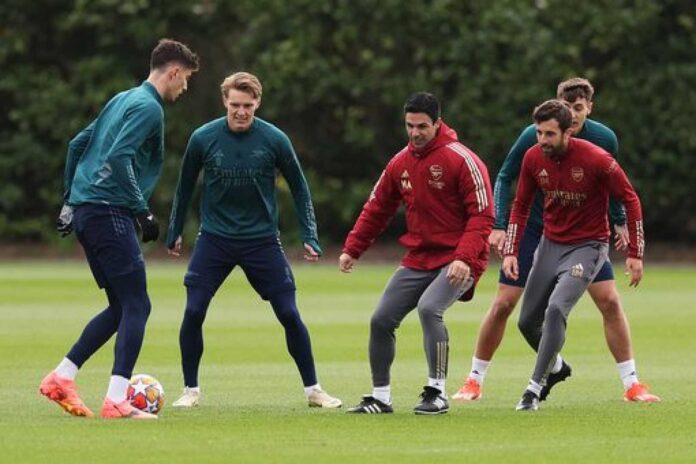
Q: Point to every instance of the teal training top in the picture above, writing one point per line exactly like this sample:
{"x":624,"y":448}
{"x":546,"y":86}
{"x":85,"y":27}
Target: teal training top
{"x":117,"y":159}
{"x":592,"y":131}
{"x":239,"y":182}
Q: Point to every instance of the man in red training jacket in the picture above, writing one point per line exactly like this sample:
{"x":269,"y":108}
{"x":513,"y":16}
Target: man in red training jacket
{"x":449,"y":214}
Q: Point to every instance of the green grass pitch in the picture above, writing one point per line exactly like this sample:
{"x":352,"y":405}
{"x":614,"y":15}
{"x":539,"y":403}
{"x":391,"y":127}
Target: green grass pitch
{"x":254,"y":409}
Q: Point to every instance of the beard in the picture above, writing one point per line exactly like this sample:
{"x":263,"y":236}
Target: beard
{"x":554,"y":151}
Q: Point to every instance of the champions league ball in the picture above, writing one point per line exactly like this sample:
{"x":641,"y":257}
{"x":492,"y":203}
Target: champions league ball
{"x":146,"y":393}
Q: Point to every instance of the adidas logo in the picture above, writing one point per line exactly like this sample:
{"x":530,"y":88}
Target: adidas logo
{"x":405,"y":181}
{"x":577,"y":270}
{"x":372,"y":409}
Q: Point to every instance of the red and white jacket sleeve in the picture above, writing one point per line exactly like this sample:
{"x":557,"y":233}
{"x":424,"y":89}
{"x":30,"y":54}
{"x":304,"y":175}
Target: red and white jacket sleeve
{"x":477,"y":195}
{"x":620,"y":187}
{"x":521,"y":207}
{"x":376,"y":214}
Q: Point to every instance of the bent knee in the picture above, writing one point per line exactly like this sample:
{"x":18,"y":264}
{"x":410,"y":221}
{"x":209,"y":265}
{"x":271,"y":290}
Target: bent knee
{"x":290,"y":319}
{"x":527,"y":324}
{"x":611,"y":308}
{"x":556,"y":313}
{"x":147,"y":307}
{"x":379,"y":323}
{"x":429,"y":311}
{"x":194,"y":313}
{"x":501,"y":309}
{"x":139,"y":307}
{"x":609,"y":303}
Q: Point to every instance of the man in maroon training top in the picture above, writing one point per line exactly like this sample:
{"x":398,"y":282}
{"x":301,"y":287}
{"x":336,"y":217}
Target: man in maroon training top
{"x":447,"y":194}
{"x":576,"y":178}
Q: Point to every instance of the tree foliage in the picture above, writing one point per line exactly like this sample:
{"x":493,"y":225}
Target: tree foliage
{"x":335,"y":75}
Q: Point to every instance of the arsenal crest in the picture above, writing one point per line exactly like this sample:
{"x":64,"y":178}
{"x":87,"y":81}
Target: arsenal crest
{"x":436,"y":174}
{"x":577,"y":174}
{"x":435,"y":171}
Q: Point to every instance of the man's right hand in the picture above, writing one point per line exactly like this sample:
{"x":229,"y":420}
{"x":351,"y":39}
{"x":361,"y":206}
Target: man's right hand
{"x":510,"y":267}
{"x":346,"y":262}
{"x":175,"y":250}
{"x":622,"y":239}
{"x":64,"y":223}
{"x":148,"y":225}
{"x":496,"y":240}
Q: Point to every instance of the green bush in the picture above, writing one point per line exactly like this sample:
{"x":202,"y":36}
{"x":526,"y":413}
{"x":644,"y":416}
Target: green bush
{"x":335,"y":76}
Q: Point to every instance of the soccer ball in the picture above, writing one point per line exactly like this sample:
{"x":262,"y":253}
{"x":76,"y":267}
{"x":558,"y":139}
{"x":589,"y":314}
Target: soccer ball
{"x":146,"y":393}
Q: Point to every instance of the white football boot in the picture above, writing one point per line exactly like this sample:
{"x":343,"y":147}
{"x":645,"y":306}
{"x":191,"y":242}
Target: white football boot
{"x":189,"y":399}
{"x":318,"y":398}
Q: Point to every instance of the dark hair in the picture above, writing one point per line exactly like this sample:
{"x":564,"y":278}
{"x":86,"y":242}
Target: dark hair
{"x":554,"y":109}
{"x":170,"y":51}
{"x":423,"y":102}
{"x":574,"y":88}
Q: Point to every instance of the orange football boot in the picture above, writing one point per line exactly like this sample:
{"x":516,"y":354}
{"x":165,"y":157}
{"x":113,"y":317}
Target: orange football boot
{"x":470,"y":391}
{"x":64,"y":392}
{"x":639,"y":392}
{"x":123,"y":410}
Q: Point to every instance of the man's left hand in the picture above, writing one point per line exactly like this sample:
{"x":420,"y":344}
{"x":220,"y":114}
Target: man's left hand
{"x":458,"y":273}
{"x":634,"y":269}
{"x":310,"y":253}
{"x":175,"y":250}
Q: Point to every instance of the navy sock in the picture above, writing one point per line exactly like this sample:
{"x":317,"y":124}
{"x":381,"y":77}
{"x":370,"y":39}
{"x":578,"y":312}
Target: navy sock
{"x":296,"y":335}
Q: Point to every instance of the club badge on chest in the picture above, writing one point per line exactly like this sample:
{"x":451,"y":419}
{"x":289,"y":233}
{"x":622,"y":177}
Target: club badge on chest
{"x":436,"y":173}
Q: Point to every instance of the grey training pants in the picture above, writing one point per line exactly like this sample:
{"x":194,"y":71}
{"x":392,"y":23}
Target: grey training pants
{"x":432,"y":294}
{"x":559,"y":276}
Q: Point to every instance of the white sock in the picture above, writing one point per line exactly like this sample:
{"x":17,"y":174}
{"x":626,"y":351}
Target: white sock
{"x":627,"y":372}
{"x":534,"y":387}
{"x":118,"y":387}
{"x":437,"y":383}
{"x":308,"y":390}
{"x":557,"y":365}
{"x":478,"y":369}
{"x":67,"y":369}
{"x":194,"y":389}
{"x":382,"y":393}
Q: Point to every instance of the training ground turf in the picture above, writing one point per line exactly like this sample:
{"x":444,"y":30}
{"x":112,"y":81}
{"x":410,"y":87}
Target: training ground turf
{"x":254,"y":410}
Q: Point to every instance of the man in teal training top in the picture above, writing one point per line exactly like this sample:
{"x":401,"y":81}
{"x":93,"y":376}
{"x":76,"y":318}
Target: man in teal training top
{"x":112,"y":168}
{"x":240,"y":155}
{"x":578,"y":93}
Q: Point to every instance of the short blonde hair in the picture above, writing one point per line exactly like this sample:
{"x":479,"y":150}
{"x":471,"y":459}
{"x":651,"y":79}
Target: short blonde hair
{"x":244,"y":82}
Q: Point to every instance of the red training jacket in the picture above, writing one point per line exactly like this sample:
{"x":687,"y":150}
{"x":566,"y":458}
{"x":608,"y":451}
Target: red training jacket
{"x":449,"y":212}
{"x":576,"y":188}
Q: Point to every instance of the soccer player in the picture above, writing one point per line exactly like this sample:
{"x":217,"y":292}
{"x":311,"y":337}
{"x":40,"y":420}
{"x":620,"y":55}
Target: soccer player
{"x":576,"y":178}
{"x":240,"y":154}
{"x":579,"y":94}
{"x":112,"y":168}
{"x":447,"y":194}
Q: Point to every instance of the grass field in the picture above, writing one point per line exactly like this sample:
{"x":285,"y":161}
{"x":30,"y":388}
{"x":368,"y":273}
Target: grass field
{"x":254,"y":410}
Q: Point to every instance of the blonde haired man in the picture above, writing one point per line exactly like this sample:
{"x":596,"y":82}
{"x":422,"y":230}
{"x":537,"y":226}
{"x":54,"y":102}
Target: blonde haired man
{"x":240,"y":154}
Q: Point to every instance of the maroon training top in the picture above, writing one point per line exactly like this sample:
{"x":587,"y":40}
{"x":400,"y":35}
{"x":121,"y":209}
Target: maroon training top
{"x":576,"y":188}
